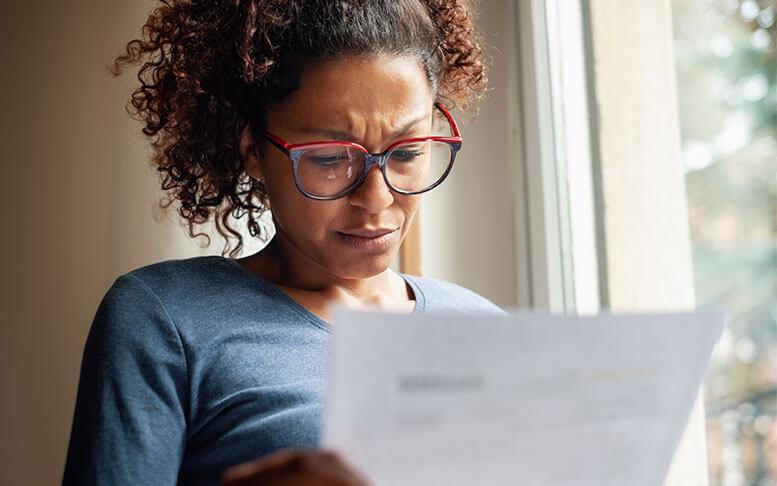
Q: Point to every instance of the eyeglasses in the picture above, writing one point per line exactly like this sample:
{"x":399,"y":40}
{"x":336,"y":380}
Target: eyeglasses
{"x":330,"y":170}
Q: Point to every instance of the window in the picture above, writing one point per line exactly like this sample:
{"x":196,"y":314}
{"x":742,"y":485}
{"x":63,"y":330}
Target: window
{"x":726,"y":58}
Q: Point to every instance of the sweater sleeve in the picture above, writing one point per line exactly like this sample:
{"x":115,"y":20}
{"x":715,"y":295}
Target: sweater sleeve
{"x":129,"y":425}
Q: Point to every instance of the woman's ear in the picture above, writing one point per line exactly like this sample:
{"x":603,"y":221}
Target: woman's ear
{"x":248,"y":152}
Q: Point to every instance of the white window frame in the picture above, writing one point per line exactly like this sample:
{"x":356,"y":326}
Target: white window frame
{"x":564,"y":263}
{"x":557,"y":268}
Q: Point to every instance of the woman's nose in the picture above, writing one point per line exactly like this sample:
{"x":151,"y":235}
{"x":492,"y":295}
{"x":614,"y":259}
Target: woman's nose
{"x":373,"y":194}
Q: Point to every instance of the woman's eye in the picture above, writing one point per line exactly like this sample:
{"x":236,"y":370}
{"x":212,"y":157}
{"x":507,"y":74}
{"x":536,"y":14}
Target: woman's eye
{"x":406,"y":155}
{"x":329,"y":160}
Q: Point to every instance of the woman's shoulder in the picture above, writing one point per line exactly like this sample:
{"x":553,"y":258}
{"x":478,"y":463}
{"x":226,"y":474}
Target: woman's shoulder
{"x":443,"y":295}
{"x":195,"y":297}
{"x":190,"y":278}
{"x":162,"y":284}
{"x":182,"y":272}
{"x":191,"y":287}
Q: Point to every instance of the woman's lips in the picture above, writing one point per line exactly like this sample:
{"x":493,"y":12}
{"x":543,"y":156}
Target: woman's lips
{"x":372,"y":240}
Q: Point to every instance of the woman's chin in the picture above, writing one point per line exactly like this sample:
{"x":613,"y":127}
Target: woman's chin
{"x":364,"y":268}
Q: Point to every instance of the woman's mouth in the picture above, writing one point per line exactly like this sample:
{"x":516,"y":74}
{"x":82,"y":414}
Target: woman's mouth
{"x":369,"y":239}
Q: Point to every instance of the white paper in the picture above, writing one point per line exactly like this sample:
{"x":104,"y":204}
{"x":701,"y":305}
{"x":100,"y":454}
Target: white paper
{"x":527,"y":399}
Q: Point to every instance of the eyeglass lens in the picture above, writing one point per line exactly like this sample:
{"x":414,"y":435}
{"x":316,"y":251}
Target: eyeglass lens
{"x":329,"y":170}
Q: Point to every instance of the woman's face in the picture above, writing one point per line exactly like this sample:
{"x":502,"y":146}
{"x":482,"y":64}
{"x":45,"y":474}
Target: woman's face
{"x":373,"y":101}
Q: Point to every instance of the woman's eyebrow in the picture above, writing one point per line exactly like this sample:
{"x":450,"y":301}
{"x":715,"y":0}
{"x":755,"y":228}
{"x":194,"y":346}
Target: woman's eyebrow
{"x":347,"y":136}
{"x":327,"y":133}
{"x":407,"y":126}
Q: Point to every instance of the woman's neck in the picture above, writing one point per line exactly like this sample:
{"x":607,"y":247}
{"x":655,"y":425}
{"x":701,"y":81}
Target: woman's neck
{"x":283,"y":265}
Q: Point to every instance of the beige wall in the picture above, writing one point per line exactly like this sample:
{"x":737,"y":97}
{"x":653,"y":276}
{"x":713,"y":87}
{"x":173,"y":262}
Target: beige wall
{"x":467,"y":232}
{"x":68,"y":160}
{"x":643,"y":205}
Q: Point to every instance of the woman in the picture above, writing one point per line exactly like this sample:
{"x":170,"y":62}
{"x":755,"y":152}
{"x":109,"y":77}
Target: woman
{"x":322,"y":112}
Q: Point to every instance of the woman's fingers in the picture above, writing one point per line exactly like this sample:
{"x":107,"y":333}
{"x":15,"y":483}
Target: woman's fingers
{"x":292,"y":468}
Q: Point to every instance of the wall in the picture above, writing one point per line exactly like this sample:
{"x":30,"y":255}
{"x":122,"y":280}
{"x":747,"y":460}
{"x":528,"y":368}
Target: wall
{"x":69,"y":159}
{"x":467,"y":232}
{"x":643,"y":205}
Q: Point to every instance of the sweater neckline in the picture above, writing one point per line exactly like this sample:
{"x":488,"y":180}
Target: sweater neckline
{"x":418,"y":294}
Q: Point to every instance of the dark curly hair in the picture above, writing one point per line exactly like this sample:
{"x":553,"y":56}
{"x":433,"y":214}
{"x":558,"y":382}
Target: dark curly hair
{"x":209,"y":69}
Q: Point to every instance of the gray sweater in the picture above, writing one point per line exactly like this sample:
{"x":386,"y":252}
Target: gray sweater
{"x":195,"y":365}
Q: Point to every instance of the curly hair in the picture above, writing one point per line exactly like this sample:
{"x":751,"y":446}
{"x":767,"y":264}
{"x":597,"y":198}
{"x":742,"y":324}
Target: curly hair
{"x":209,"y":68}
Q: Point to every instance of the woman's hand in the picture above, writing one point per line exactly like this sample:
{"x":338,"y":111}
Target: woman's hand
{"x":293,"y":468}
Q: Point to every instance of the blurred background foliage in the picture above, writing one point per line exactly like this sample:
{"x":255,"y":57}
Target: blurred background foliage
{"x":726,"y":60}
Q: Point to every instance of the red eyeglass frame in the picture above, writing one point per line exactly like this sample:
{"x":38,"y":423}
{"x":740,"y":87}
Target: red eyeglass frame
{"x":295,"y":151}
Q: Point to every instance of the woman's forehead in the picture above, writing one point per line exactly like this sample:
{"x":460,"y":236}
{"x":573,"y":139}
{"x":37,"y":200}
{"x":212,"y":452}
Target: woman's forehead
{"x":351,"y":126}
{"x":347,"y":93}
{"x":368,"y":81}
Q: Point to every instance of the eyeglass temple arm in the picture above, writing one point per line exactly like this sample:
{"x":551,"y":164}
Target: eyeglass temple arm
{"x":278,"y":142}
{"x":451,"y":121}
